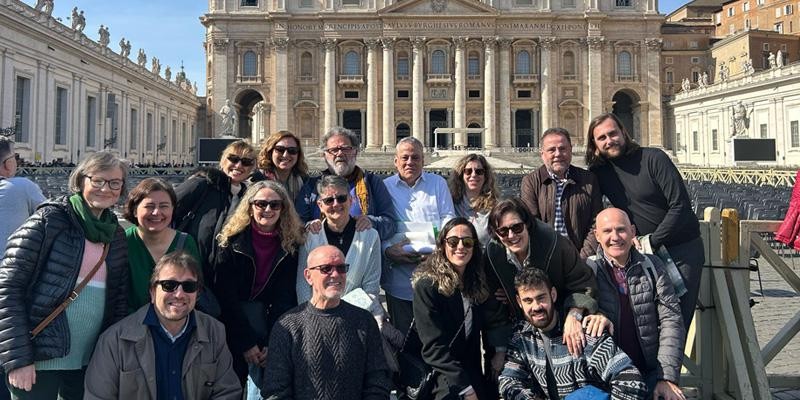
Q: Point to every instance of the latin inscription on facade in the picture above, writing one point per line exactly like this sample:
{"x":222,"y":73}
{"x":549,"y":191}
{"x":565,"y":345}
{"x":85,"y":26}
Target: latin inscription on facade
{"x":432,"y":26}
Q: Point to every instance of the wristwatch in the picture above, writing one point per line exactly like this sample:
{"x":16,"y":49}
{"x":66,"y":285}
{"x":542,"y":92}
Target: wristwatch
{"x":578,"y":316}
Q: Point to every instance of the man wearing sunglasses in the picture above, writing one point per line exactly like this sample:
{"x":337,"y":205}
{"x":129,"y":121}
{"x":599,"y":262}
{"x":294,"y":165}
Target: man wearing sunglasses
{"x":564,"y":196}
{"x":19,"y":195}
{"x":166,"y":349}
{"x":371,"y":206}
{"x":326,"y":348}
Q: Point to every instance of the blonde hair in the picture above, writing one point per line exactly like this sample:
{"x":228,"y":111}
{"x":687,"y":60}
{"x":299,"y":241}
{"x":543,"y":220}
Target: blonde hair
{"x":291,"y":229}
{"x":239,"y":147}
{"x":488,"y":195}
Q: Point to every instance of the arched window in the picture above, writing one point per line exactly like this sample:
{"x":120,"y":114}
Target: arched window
{"x":474,"y":140}
{"x":474,"y":64}
{"x":402,"y":131}
{"x":306,"y":67}
{"x":523,"y":64}
{"x":352,"y":63}
{"x":624,"y":64}
{"x":249,"y":64}
{"x":569,"y":64}
{"x":438,"y":60}
{"x":402,"y":64}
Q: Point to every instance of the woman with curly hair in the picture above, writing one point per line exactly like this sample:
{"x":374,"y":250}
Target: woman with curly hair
{"x":472,"y":185}
{"x":256,"y":268}
{"x":448,"y":289}
{"x":281,"y":159}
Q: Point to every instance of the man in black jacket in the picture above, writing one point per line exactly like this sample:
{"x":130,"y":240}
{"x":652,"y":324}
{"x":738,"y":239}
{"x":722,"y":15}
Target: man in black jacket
{"x":645,"y":184}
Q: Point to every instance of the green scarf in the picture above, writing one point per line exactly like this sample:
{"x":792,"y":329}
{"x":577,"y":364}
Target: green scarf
{"x":97,"y":230}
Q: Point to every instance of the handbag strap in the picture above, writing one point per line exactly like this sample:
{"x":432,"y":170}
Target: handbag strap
{"x":413,"y":328}
{"x":72,"y":296}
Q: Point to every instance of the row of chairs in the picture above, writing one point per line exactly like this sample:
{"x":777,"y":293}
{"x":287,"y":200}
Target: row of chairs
{"x":751,"y":201}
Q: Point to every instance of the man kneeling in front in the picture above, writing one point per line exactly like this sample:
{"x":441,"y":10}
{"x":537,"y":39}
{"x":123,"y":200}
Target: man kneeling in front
{"x":166,"y":349}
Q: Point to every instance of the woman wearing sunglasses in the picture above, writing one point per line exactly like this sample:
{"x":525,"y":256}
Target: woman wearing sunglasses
{"x":71,"y":244}
{"x":362,"y":249}
{"x":207,"y":197}
{"x":448,"y":289}
{"x":520,"y":242}
{"x":472,"y":185}
{"x":281,"y":159}
{"x":256,"y":270}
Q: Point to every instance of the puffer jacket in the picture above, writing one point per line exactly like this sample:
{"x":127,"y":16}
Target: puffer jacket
{"x":39,"y":270}
{"x":659,"y":325}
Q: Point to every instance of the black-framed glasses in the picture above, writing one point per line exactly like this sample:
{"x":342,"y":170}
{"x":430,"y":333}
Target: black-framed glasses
{"x":98,"y":183}
{"x":283,"y":149}
{"x":170,"y":286}
{"x":247,"y":162}
{"x":341,"y":199}
{"x":478,"y":171}
{"x":516,"y":228}
{"x":452,"y":241}
{"x":274,"y":205}
{"x":8,"y":158}
{"x":343,"y":149}
{"x":327,"y":269}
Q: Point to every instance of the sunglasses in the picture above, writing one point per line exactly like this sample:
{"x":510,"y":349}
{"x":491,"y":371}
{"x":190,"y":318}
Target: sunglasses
{"x":478,"y":171}
{"x":247,"y":162}
{"x":282,"y":149}
{"x":170,"y":286}
{"x":274,"y":205}
{"x":341,"y":199}
{"x":516,"y":228}
{"x":327,"y":269}
{"x":452,"y":241}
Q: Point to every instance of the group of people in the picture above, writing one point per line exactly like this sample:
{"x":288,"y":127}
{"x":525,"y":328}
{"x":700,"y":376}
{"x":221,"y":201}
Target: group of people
{"x":253,"y":276}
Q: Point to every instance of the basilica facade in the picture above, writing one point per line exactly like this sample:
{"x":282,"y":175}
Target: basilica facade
{"x":508,"y":69}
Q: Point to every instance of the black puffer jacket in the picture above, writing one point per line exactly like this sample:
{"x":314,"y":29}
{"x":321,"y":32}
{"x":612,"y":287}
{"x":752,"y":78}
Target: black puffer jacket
{"x":39,"y":270}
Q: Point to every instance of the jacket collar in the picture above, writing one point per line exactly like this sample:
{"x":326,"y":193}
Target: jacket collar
{"x":135,"y":330}
{"x":545,"y":177}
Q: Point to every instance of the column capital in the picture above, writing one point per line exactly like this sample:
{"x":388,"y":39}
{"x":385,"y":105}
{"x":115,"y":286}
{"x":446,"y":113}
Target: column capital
{"x":548,"y":42}
{"x":418,"y":42}
{"x":280,"y":43}
{"x":459,"y":42}
{"x":489,"y":41}
{"x":329,"y":44}
{"x":504,"y":42}
{"x":388,"y":42}
{"x":372,"y":43}
{"x":653,"y":43}
{"x":220,"y":45}
{"x":595,"y":42}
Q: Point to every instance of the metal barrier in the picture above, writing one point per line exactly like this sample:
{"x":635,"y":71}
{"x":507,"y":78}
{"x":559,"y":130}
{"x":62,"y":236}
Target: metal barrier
{"x":761,"y":177}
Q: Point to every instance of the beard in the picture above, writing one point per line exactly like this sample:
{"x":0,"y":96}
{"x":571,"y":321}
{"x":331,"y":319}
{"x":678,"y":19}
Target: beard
{"x":341,"y":168}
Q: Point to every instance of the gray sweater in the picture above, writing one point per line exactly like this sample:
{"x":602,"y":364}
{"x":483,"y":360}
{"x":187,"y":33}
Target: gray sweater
{"x":331,"y":354}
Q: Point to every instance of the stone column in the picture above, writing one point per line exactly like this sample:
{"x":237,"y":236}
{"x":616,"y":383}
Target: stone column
{"x":652,"y":81}
{"x":505,"y":92}
{"x":417,"y":86}
{"x":281,"y":84}
{"x":329,"y":97}
{"x":460,"y":106}
{"x":488,"y":93}
{"x":219,"y":93}
{"x":372,"y":135}
{"x":548,"y":81}
{"x":594,"y":70}
{"x":6,"y":92}
{"x":388,"y":91}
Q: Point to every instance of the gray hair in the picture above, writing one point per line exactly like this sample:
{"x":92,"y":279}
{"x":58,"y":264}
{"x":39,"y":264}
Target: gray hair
{"x":95,"y":162}
{"x":410,"y":140}
{"x":6,"y":147}
{"x":354,"y":139}
{"x":334,"y":181}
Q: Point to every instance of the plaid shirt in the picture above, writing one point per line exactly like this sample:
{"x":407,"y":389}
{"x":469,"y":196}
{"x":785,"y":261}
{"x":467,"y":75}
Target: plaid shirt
{"x":558,"y":222}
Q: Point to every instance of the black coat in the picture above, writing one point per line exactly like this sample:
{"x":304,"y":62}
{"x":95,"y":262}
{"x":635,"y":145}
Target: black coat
{"x":438,"y":318}
{"x":39,"y":270}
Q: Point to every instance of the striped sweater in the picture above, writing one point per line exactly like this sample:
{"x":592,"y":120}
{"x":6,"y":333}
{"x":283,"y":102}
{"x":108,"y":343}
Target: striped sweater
{"x":602,"y":364}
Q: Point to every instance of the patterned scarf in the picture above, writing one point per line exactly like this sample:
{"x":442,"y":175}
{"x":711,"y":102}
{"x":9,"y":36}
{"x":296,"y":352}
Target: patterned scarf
{"x":361,"y":188}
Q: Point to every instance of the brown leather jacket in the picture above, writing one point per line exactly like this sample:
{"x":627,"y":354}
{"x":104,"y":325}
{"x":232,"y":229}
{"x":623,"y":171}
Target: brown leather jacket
{"x":580,"y":203}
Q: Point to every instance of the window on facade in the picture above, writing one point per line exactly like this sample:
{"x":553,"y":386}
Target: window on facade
{"x":678,"y":145}
{"x":779,"y":27}
{"x":91,"y":120}
{"x":746,"y":6}
{"x":134,"y":134}
{"x":22,"y":110}
{"x":695,"y":141}
{"x":352,"y":63}
{"x":61,"y":116}
{"x":669,"y":77}
{"x":306,"y":4}
{"x":523,"y":94}
{"x":474,"y":65}
{"x":695,"y":76}
{"x":306,"y":65}
{"x":568,"y":3}
{"x":402,"y":94}
{"x":474,"y":94}
{"x":714,"y":140}
{"x":624,"y":64}
{"x":249,"y":63}
{"x":765,"y":47}
{"x":249,"y":3}
{"x":402,"y":130}
{"x":788,"y":9}
{"x":747,"y":24}
{"x":523,"y":64}
{"x":569,"y":64}
{"x":351,"y":94}
{"x":693,"y":44}
{"x":438,"y":60}
{"x":149,"y":128}
{"x":731,"y":11}
{"x":402,"y":64}
{"x":760,"y":2}
{"x":351,"y":2}
{"x":623,"y":3}
{"x":669,"y":60}
{"x":783,"y":48}
{"x":795,"y":133}
{"x":695,"y":60}
{"x":763,"y":131}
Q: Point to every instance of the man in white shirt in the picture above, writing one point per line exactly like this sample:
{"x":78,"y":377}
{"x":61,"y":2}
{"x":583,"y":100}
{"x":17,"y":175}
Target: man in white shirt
{"x":419,"y":197}
{"x":19,"y":197}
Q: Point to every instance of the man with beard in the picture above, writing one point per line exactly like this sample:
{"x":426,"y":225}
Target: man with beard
{"x":326,"y":348}
{"x":371,"y":208}
{"x":538,"y":364}
{"x":644,"y":183}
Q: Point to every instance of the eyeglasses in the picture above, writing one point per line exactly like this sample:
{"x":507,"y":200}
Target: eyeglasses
{"x":516,"y":228}
{"x":341,"y":199}
{"x":282,"y":149}
{"x":343,"y":149}
{"x":8,"y":158}
{"x":247,"y":162}
{"x":98,"y":183}
{"x":170,"y":286}
{"x":478,"y":171}
{"x":452,"y":241}
{"x":327,"y":269}
{"x":274,"y":205}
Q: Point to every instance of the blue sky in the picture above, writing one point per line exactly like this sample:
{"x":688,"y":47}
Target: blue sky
{"x":167,"y":29}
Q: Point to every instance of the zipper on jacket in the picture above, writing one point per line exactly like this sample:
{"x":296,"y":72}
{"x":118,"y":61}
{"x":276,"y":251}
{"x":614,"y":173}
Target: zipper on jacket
{"x":253,"y":264}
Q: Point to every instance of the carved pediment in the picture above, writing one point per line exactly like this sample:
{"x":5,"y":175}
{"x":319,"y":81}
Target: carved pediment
{"x":439,"y":7}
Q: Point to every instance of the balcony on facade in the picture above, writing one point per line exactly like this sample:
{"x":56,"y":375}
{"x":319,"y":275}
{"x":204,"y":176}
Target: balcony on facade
{"x":305,"y":78}
{"x":439,"y":79}
{"x":351,"y":80}
{"x":402,"y":77}
{"x":248,"y":79}
{"x":627,"y":78}
{"x":569,"y":77}
{"x":525,"y":79}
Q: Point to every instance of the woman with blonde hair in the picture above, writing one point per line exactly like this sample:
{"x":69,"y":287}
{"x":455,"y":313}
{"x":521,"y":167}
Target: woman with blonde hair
{"x":256,"y":268}
{"x":472,"y":185}
{"x":281,"y":159}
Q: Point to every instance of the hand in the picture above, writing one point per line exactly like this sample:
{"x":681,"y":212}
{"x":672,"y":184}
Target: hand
{"x":255,"y":356}
{"x":637,"y":243}
{"x":497,"y":362}
{"x":595,"y":325}
{"x":573,"y":335}
{"x":314,"y":226}
{"x":363,"y":223}
{"x":23,"y":378}
{"x":501,"y":296}
{"x":471,"y":396}
{"x":668,"y":391}
{"x":396,"y":254}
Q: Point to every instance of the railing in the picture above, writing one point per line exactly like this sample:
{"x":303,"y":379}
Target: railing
{"x":439,"y":78}
{"x":627,"y":78}
{"x":474,"y":77}
{"x":525,"y":78}
{"x":569,"y":77}
{"x":248,"y":79}
{"x":770,"y":177}
{"x":305,"y":78}
{"x":402,"y":77}
{"x":351,"y":79}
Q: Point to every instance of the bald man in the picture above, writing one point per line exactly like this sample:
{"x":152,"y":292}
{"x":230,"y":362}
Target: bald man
{"x":634,"y":292}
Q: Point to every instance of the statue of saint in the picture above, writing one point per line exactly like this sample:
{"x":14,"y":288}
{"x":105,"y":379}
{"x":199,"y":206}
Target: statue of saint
{"x":779,"y":59}
{"x":124,"y":48}
{"x":104,"y":36}
{"x":155,"y":66}
{"x":78,"y":21}
{"x":167,"y":73}
{"x":686,"y":85}
{"x":740,"y":121}
{"x":228,"y":114}
{"x":703,"y":80}
{"x":75,"y":18}
{"x":771,"y":59}
{"x":44,"y":6}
